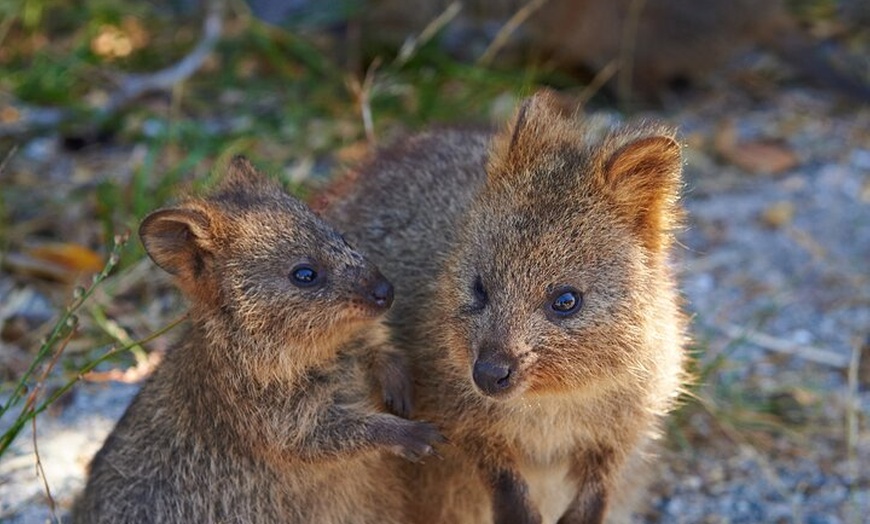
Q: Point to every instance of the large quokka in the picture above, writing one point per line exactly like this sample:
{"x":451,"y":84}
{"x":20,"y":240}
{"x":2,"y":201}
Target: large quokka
{"x":266,"y":411}
{"x":535,"y":297}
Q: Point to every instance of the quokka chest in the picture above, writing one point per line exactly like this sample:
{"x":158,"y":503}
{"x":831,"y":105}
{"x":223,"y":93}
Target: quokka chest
{"x":551,"y":487}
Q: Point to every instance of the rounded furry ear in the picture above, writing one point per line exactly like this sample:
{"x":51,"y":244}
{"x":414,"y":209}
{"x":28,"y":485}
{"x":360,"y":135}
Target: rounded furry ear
{"x":241,"y":169}
{"x":644,"y":176}
{"x":520,"y":121}
{"x":242,"y":176}
{"x":542,"y":111}
{"x":178,"y":240}
{"x":543,"y":123}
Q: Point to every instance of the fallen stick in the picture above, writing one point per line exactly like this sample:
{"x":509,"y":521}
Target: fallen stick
{"x":779,"y":345}
{"x":130,"y":86}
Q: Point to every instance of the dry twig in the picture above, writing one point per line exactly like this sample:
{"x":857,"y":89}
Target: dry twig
{"x":411,"y":45}
{"x":130,"y":86}
{"x":765,"y":341}
{"x":7,"y":158}
{"x":31,"y":401}
{"x":602,"y":77}
{"x":362,"y":92}
{"x":504,"y":34}
{"x":853,"y":408}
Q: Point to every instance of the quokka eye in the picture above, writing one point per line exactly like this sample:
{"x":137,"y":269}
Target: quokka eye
{"x":304,"y":275}
{"x":566,"y":302}
{"x":481,"y":298}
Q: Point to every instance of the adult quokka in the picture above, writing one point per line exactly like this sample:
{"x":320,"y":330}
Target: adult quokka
{"x":538,"y":306}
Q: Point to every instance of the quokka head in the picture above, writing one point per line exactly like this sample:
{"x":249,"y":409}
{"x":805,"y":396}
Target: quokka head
{"x":559,"y":275}
{"x":260,"y":262}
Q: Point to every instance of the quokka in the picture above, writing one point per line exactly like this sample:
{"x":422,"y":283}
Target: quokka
{"x":538,"y":306}
{"x":268,"y":410}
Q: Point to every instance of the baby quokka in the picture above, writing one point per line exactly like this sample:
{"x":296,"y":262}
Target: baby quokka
{"x":270,"y":408}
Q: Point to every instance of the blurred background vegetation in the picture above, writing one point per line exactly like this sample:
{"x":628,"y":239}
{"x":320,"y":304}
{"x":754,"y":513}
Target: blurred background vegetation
{"x":110,"y":108}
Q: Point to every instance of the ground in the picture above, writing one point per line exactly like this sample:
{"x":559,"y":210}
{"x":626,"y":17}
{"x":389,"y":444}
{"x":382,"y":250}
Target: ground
{"x":774,"y":264}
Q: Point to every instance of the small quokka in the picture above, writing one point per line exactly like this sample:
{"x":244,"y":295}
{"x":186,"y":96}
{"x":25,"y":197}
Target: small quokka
{"x":268,"y":410}
{"x":537,"y":303}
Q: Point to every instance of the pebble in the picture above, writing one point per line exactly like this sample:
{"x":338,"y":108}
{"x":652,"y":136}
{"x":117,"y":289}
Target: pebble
{"x":860,"y":158}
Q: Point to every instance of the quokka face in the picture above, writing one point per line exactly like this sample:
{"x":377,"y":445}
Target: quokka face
{"x":555,"y":319}
{"x":557,"y":265}
{"x":271,"y":258}
{"x":295,"y":265}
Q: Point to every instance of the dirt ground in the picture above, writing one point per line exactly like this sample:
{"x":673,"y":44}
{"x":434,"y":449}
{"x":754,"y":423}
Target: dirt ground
{"x":775,"y":268}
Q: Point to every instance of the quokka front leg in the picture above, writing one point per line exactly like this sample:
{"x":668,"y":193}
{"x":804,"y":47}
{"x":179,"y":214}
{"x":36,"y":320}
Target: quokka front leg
{"x":343,"y":430}
{"x":591,"y":471}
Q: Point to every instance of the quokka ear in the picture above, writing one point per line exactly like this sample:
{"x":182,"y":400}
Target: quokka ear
{"x":644,"y":177}
{"x":179,"y":240}
{"x":546,"y":111}
{"x":542,"y":123}
{"x":241,"y":175}
{"x":519,"y":121}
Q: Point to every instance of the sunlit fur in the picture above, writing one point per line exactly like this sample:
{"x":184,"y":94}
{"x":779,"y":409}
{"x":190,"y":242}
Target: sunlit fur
{"x":266,"y":411}
{"x":552,"y":200}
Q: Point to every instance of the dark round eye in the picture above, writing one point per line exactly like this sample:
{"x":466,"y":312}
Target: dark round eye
{"x":481,"y":298}
{"x":304,"y":275}
{"x":566,"y":302}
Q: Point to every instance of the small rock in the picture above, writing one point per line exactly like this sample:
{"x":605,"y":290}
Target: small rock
{"x":860,"y":158}
{"x":762,"y":156}
{"x":778,"y":215}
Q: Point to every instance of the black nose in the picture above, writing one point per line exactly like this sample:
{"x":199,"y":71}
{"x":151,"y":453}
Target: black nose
{"x":492,"y":376}
{"x":381,"y":293}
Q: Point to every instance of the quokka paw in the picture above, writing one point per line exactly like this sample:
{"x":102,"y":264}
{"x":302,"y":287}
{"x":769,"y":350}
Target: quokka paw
{"x":416,"y":440}
{"x":396,"y":389}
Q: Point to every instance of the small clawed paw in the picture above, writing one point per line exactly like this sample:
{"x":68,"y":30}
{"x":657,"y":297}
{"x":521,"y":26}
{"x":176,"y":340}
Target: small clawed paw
{"x":418,"y":440}
{"x":395,"y":380}
{"x":397,"y":397}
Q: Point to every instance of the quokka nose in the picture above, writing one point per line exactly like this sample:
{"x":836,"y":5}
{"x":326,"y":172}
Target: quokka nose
{"x":492,"y":377}
{"x":381,"y":293}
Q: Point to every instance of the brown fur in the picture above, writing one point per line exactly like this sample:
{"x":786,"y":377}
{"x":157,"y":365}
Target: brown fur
{"x":552,"y":201}
{"x":266,"y":411}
